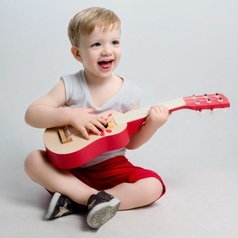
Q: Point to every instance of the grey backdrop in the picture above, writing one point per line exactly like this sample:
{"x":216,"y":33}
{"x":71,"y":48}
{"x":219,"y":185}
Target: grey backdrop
{"x":170,"y":49}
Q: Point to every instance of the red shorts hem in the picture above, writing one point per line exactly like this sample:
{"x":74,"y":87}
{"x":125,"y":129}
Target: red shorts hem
{"x":112,"y":172}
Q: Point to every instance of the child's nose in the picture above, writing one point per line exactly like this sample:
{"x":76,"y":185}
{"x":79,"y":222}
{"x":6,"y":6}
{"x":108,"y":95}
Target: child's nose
{"x":106,"y":50}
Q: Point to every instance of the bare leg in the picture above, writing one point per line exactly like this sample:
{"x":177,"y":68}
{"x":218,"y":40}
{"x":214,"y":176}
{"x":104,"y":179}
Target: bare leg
{"x":131,"y":195}
{"x":102,"y":207}
{"x":44,"y":173}
{"x":138,"y":194}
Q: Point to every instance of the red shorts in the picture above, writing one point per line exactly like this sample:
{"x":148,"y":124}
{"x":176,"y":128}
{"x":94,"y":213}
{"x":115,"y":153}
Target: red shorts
{"x":112,"y":172}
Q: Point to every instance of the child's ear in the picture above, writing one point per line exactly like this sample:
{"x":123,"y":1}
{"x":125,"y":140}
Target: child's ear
{"x":76,"y":53}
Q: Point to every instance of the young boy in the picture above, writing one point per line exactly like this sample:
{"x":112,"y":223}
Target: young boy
{"x":108,"y":182}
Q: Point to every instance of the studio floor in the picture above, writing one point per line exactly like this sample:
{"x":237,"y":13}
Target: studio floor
{"x":201,"y":197}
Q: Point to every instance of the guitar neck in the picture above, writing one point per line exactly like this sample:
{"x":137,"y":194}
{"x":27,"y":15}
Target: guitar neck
{"x":142,"y":113}
{"x":135,"y":118}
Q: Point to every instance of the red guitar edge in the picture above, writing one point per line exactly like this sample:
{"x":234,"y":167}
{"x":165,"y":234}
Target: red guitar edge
{"x":113,"y":142}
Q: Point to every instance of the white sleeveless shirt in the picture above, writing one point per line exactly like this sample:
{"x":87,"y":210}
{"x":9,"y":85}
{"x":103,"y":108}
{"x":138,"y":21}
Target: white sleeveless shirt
{"x":78,"y":95}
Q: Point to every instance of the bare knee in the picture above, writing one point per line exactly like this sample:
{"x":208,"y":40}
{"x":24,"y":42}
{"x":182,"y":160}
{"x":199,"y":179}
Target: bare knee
{"x":33,"y":161}
{"x":154,"y":189}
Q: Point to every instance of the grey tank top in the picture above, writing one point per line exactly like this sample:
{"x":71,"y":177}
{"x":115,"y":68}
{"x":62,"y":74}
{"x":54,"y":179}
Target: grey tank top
{"x":78,"y":95}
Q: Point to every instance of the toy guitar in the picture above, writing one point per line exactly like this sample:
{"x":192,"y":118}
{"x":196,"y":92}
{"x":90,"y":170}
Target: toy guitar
{"x":67,"y":149}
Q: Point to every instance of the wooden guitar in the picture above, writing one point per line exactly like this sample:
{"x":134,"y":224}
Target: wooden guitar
{"x":67,"y":149}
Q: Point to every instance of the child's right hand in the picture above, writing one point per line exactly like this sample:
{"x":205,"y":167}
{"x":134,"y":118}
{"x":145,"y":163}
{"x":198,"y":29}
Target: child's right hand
{"x":49,"y":111}
{"x":84,"y":121}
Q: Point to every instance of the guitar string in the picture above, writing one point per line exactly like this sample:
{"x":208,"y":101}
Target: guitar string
{"x":140,"y":113}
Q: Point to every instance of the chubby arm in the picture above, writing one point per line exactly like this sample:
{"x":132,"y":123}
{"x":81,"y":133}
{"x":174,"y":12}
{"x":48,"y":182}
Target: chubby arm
{"x":158,"y":115}
{"x":48,"y":111}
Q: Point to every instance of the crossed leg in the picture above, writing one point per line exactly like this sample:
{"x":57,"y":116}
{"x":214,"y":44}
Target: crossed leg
{"x":131,"y":195}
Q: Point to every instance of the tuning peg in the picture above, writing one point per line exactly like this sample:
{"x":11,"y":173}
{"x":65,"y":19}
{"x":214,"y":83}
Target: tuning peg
{"x":213,"y":111}
{"x":202,"y":112}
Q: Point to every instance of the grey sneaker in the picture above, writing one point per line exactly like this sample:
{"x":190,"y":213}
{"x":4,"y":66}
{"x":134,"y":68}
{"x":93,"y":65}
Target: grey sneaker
{"x":101,"y":208}
{"x":59,"y":206}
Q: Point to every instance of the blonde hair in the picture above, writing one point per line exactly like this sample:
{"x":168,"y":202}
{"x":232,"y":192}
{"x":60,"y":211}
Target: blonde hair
{"x":84,"y":22}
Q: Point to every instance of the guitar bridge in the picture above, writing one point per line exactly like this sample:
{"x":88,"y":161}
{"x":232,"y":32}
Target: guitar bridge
{"x":64,"y":135}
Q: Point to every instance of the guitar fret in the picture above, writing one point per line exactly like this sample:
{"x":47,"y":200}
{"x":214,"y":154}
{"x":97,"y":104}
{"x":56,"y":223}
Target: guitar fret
{"x":174,"y":103}
{"x":142,"y":113}
{"x":130,"y":116}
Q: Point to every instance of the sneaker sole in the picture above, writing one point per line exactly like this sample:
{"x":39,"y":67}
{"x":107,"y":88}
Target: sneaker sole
{"x":102,"y":213}
{"x":51,"y":206}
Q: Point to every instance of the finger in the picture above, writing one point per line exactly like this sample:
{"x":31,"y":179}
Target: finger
{"x":152,"y":110}
{"x":84,"y":133}
{"x":156,"y":109}
{"x":98,"y":121}
{"x":94,"y":129}
{"x":91,"y":110}
{"x":102,"y":121}
{"x":100,"y":125}
{"x":162,"y":108}
{"x":159,"y":109}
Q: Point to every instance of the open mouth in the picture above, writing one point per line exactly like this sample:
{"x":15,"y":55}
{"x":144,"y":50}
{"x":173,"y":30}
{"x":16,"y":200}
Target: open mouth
{"x":105,"y":64}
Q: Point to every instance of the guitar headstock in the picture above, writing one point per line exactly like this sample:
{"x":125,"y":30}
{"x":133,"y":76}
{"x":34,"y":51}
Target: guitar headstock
{"x":206,"y":101}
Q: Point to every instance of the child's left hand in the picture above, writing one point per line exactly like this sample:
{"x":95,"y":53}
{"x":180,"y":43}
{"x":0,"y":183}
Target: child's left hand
{"x":158,"y":115}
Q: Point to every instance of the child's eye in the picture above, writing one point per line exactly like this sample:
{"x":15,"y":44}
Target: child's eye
{"x":95,"y":44}
{"x":115,"y":42}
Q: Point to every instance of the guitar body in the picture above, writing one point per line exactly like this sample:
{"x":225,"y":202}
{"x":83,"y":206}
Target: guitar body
{"x":67,"y":149}
{"x":80,"y":151}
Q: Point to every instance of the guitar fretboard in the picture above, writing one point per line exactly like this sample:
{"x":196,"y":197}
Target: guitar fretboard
{"x":143,"y":112}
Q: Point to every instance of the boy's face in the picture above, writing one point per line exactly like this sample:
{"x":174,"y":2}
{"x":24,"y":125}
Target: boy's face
{"x":100,"y":52}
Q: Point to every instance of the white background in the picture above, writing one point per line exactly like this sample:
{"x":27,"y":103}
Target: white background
{"x":171,"y":49}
